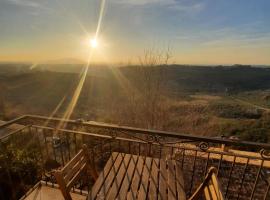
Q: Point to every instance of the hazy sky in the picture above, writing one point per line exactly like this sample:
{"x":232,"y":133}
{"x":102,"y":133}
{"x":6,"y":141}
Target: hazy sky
{"x":197,"y":31}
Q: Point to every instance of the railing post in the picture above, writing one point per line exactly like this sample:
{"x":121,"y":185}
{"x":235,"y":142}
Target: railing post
{"x":61,"y":151}
{"x":91,"y":162}
{"x":45,"y":141}
{"x":242,"y":179}
{"x":256,"y":180}
{"x":149,"y":148}
{"x":267,"y":191}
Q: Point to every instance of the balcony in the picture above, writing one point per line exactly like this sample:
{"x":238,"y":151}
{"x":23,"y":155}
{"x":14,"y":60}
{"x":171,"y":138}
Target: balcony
{"x":35,"y":146}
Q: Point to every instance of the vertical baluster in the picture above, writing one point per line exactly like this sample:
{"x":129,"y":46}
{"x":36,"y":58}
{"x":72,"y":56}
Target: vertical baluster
{"x":101,"y":149}
{"x":230,"y":174}
{"x":267,"y":191}
{"x":41,"y":153}
{"x":118,"y":148}
{"x":172,"y":151}
{"x":256,"y":181}
{"x":206,"y":164}
{"x":68,"y":145}
{"x":242,"y":179}
{"x":73,"y":189}
{"x":149,"y":151}
{"x":129,"y":147}
{"x":110,"y":146}
{"x":81,"y":185}
{"x":54,"y":153}
{"x":219,"y":163}
{"x":183,"y":160}
{"x":193,"y":171}
{"x":93,"y":156}
{"x":24,"y":134}
{"x":160,"y":150}
{"x":23,"y":148}
{"x":45,"y":141}
{"x":75,"y":143}
{"x":61,"y":153}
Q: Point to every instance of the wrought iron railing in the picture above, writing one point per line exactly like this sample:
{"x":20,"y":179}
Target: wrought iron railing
{"x":42,"y":146}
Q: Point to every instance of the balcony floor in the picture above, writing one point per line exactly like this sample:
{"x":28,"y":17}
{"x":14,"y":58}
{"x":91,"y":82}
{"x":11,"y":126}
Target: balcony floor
{"x":44,"y":192}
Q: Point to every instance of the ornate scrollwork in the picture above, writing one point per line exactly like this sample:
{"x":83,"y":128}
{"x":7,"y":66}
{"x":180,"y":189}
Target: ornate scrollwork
{"x":265,"y":154}
{"x":204,"y":146}
{"x":154,"y":139}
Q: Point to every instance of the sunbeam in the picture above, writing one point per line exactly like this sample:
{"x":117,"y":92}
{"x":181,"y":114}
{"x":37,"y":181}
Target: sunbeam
{"x":74,"y":99}
{"x":101,"y":12}
{"x":55,"y":110}
{"x":124,"y":83}
{"x":79,"y":88}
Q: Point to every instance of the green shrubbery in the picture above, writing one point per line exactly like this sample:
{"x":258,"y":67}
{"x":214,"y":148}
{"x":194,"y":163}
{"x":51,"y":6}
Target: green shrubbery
{"x":236,"y":111}
{"x":19,"y":167}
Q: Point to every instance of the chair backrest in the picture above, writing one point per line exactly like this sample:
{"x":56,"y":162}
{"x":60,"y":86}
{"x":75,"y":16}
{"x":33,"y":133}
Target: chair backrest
{"x":210,"y":187}
{"x":70,"y":173}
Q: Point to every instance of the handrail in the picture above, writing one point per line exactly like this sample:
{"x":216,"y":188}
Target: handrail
{"x":143,"y":131}
{"x":8,"y":123}
{"x":143,"y":142}
{"x":14,"y":132}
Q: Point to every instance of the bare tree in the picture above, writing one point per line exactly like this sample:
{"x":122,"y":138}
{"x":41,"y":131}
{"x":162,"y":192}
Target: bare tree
{"x":149,"y":100}
{"x":2,"y":105}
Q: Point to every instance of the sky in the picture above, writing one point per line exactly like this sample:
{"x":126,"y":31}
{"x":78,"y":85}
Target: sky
{"x":196,"y":31}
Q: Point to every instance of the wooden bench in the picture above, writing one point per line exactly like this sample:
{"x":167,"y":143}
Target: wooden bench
{"x":210,"y":188}
{"x":71,"y":172}
{"x":127,"y":176}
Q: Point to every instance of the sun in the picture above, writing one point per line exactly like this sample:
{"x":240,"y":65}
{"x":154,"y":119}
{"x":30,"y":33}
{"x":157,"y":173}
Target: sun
{"x":93,"y":43}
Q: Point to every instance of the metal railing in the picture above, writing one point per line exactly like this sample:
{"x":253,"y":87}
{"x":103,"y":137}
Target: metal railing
{"x":40,"y":147}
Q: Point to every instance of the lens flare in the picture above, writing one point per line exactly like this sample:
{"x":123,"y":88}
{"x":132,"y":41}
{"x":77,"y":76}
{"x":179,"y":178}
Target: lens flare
{"x":93,"y":43}
{"x":76,"y":94}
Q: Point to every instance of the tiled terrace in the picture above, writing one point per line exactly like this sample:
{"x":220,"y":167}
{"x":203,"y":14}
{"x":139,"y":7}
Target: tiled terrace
{"x":49,"y":192}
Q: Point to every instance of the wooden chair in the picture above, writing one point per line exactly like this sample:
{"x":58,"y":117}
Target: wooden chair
{"x":210,"y":188}
{"x":70,"y":173}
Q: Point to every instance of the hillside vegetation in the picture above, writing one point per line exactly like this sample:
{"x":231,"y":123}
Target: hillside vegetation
{"x":210,"y":101}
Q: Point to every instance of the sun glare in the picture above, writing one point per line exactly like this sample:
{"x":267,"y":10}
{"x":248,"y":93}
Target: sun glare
{"x":93,"y":43}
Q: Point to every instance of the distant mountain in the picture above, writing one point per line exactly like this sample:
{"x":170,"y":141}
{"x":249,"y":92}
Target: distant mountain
{"x":10,"y":67}
{"x":227,"y":79}
{"x":62,"y":61}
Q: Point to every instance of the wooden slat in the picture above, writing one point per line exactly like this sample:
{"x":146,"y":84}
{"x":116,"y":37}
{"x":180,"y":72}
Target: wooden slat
{"x":163,"y":181}
{"x":132,"y":194}
{"x":109,"y":179}
{"x":210,"y":187}
{"x":212,"y":191}
{"x":207,"y":193}
{"x":128,"y":178}
{"x":171,"y":180}
{"x":75,"y":177}
{"x":137,"y":177}
{"x":72,"y":162}
{"x":62,"y":185}
{"x":153,"y":187}
{"x":112,"y":193}
{"x":145,"y":179}
{"x":102,"y":176}
{"x":74,"y":170}
{"x":217,"y":187}
{"x":181,"y":195}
